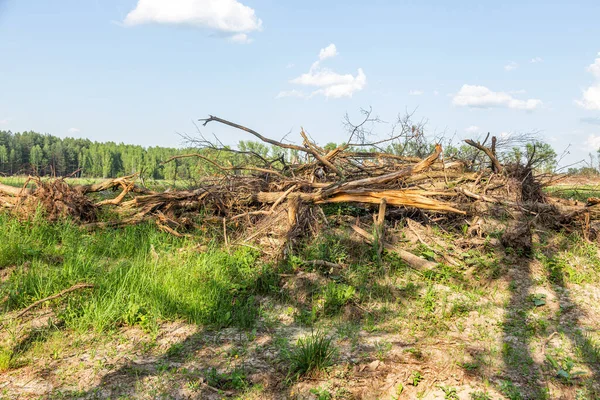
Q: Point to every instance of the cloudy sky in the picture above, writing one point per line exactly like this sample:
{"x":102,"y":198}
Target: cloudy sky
{"x":139,"y":71}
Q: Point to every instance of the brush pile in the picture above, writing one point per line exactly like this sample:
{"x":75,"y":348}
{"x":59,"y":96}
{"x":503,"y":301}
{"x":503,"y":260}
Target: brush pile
{"x":276,"y":199}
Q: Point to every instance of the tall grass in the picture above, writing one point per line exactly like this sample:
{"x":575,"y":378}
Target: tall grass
{"x":140,"y":276}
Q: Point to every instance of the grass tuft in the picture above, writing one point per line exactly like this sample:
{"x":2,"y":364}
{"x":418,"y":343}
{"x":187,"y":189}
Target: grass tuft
{"x":311,"y":354}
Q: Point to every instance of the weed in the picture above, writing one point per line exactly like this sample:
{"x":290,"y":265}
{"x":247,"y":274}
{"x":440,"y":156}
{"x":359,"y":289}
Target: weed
{"x":234,"y":379}
{"x":6,"y":356}
{"x":382,"y":348}
{"x":311,"y":354}
{"x":194,"y":385}
{"x":399,"y":390}
{"x":564,"y":370}
{"x":176,"y":350}
{"x":510,"y":390}
{"x":449,"y":392}
{"x":321,"y":393}
{"x":336,"y":295}
{"x":416,"y":378}
{"x":479,"y":395}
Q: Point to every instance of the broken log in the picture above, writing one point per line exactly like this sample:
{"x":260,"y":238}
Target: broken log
{"x":412,"y":260}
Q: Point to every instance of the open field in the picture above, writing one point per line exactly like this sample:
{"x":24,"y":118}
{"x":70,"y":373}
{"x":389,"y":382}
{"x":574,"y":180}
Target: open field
{"x":185,"y":318}
{"x":154,"y":184}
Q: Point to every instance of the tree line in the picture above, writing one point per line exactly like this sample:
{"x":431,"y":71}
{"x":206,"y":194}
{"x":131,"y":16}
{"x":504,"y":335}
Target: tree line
{"x":44,"y":155}
{"x":47,"y":155}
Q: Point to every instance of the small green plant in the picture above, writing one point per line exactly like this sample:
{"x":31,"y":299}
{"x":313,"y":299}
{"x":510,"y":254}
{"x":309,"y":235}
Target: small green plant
{"x":335,"y":296}
{"x":538,"y":299}
{"x":382,"y":348}
{"x":234,"y":379}
{"x":399,"y":390}
{"x":479,"y":395}
{"x":564,"y":370}
{"x":194,"y":385}
{"x":5,"y":359}
{"x":416,"y":378}
{"x":311,"y":354}
{"x":416,"y":353}
{"x":321,"y":393}
{"x":449,"y":392}
{"x":175,"y":350}
{"x":510,"y":390}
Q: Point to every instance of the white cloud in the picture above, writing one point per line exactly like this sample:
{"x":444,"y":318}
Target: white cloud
{"x":591,"y":96}
{"x":241,"y":38}
{"x":328,"y":83}
{"x":4,"y":121}
{"x":481,"y":97}
{"x":74,"y":130}
{"x":290,"y":65}
{"x":595,"y":67}
{"x":436,"y":93}
{"x":415,"y":92}
{"x":228,"y":17}
{"x":472,"y":129}
{"x":290,"y":93}
{"x":536,"y":60}
{"x":511,"y":66}
{"x":593,"y":141}
{"x":328,"y":52}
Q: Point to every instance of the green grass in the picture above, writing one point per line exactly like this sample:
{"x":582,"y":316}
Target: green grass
{"x":579,"y":192}
{"x":143,"y":277}
{"x":152,"y":184}
{"x":139,"y":275}
{"x":311,"y":354}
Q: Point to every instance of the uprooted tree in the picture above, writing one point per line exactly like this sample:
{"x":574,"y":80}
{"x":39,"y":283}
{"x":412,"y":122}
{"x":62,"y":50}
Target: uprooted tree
{"x":276,"y":199}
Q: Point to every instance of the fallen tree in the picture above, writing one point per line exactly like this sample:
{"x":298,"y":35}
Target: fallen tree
{"x":281,"y":193}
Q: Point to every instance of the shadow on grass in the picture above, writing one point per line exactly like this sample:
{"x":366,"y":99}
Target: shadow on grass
{"x":519,"y":331}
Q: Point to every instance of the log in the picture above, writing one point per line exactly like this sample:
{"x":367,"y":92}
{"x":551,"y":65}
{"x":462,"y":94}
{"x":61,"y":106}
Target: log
{"x":398,"y":198}
{"x":14,"y":191}
{"x":380,"y":226}
{"x":414,"y":261}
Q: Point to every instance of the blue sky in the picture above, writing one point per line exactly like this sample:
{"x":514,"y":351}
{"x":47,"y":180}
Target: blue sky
{"x":141,"y":71}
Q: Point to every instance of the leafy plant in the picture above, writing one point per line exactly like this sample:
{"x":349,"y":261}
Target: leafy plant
{"x":321,"y":393}
{"x":449,"y":392}
{"x":416,"y":378}
{"x":336,"y":296}
{"x":234,"y":379}
{"x":479,"y":395}
{"x":510,"y":390}
{"x":564,"y":370}
{"x":538,"y":299}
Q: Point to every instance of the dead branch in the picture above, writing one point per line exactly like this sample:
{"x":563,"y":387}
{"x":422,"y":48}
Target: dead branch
{"x":54,"y":296}
{"x":496,"y":166}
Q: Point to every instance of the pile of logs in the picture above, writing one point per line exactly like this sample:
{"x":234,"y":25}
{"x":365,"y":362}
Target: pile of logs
{"x":260,"y":188}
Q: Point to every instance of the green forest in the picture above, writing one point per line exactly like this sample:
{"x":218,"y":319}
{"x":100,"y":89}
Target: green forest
{"x":44,"y":154}
{"x":39,"y":154}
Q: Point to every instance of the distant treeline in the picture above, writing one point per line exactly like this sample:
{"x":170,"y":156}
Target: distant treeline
{"x":43,"y":155}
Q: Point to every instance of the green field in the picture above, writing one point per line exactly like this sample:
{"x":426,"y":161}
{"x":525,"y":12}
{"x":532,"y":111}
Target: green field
{"x":153,"y":184}
{"x":574,"y":192}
